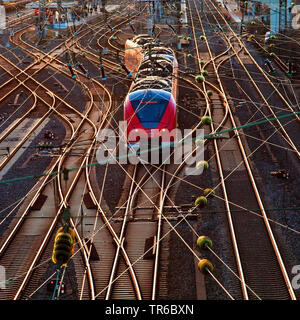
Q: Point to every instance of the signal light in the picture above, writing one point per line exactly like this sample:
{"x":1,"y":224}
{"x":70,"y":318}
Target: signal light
{"x":51,"y":286}
{"x":281,"y":174}
{"x":49,"y":134}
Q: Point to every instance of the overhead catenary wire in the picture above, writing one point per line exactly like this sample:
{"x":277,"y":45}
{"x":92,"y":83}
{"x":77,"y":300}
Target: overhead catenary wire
{"x":209,"y":136}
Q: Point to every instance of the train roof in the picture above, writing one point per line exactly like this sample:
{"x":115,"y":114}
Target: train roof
{"x":145,"y":41}
{"x":142,"y":39}
{"x":156,"y":67}
{"x":153,"y":82}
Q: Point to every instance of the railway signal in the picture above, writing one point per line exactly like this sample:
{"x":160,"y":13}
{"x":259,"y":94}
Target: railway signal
{"x":291,"y":68}
{"x":51,"y":286}
{"x":49,"y":134}
{"x":281,"y":174}
{"x":269,"y":64}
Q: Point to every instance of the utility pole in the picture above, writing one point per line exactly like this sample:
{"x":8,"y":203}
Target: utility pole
{"x":41,"y":18}
{"x":59,"y":13}
{"x":81,"y":220}
{"x":242,"y":21}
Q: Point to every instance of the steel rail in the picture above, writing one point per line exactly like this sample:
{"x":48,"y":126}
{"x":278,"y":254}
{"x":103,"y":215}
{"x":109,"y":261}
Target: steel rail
{"x":260,"y":203}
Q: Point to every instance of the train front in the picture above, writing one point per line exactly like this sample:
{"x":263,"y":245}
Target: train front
{"x":150,"y":115}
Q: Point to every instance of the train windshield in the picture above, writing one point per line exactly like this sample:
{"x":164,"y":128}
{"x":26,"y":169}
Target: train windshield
{"x":149,"y":106}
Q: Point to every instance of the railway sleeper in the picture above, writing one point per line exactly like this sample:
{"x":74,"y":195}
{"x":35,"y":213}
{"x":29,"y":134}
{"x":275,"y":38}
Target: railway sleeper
{"x":93,"y":251}
{"x":39,"y":202}
{"x":150,"y":248}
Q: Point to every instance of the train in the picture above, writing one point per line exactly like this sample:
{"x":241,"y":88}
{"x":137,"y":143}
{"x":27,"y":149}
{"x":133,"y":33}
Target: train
{"x":150,"y":105}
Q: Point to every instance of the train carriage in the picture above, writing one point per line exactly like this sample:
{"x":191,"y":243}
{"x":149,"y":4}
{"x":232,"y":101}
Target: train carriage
{"x":150,"y":106}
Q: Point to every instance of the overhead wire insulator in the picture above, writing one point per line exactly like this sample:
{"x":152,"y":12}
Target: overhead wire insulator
{"x":111,"y":29}
{"x":64,"y":244}
{"x":82,"y":68}
{"x":204,"y":242}
{"x":101,"y":66}
{"x":71,"y":70}
{"x":173,"y":29}
{"x":75,"y":31}
{"x":66,"y":174}
{"x":132,"y":28}
{"x":291,"y":66}
{"x":129,"y":74}
{"x":102,"y":72}
{"x":118,"y":55}
{"x":205,"y":266}
{"x":153,"y":30}
{"x":74,"y":57}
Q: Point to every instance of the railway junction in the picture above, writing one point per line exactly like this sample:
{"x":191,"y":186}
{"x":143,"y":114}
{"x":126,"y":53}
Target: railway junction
{"x":86,"y":213}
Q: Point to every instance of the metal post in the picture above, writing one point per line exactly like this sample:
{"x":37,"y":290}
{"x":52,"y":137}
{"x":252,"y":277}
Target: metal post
{"x":242,"y":21}
{"x":59,"y":14}
{"x":41,"y":18}
{"x":81,"y":221}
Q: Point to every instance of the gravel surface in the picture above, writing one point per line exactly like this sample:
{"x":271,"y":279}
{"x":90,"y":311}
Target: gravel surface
{"x":13,"y":112}
{"x":13,"y":53}
{"x":71,"y":92}
{"x":13,"y":191}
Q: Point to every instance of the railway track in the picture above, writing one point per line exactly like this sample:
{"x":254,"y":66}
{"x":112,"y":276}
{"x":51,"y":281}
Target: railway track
{"x":286,"y":107}
{"x":64,"y":192}
{"x":120,"y":251}
{"x":87,"y":262}
{"x":83,"y":244}
{"x":19,"y":76}
{"x":241,"y":237}
{"x":129,"y":277}
{"x":139,"y":224}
